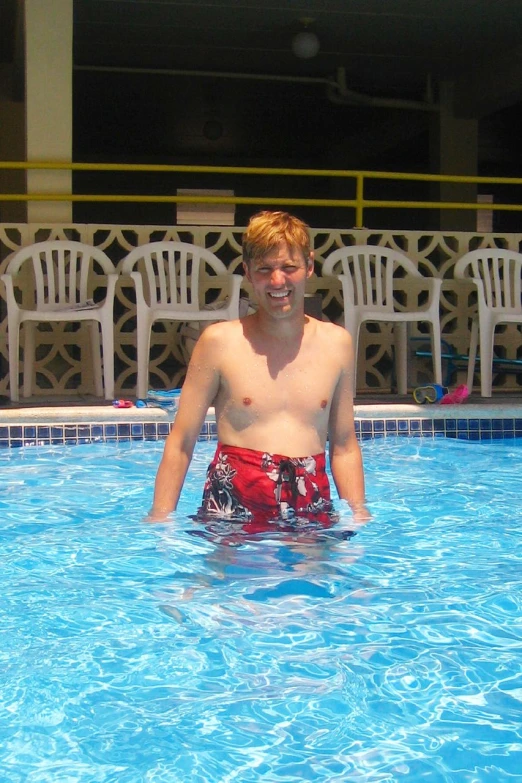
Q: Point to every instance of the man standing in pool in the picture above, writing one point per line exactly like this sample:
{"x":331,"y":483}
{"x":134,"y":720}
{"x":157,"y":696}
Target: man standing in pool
{"x":281,"y":385}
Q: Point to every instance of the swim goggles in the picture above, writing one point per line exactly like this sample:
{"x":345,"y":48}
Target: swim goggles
{"x":432,"y":393}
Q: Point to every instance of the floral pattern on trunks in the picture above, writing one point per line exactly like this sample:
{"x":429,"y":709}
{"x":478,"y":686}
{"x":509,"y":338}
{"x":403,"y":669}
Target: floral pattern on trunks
{"x":243,"y":482}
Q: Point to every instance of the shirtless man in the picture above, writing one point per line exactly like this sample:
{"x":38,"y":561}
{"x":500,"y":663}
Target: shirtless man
{"x":281,"y":385}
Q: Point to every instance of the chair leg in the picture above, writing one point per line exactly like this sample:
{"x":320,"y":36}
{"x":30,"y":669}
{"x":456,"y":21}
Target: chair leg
{"x":13,"y":338}
{"x":107,"y":333}
{"x":96,"y":357}
{"x":29,"y":356}
{"x":472,"y":358}
{"x":401,"y":356}
{"x":143,"y":351}
{"x":436,"y":352}
{"x":486,"y":338}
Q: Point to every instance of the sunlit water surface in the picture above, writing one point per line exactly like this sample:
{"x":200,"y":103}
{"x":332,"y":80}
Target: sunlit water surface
{"x":138,"y":652}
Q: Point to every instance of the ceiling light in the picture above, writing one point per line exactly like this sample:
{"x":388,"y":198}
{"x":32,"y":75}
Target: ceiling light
{"x":305,"y":44}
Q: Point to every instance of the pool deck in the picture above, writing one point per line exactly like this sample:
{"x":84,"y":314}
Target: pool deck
{"x":71,"y":421}
{"x":89,"y":409}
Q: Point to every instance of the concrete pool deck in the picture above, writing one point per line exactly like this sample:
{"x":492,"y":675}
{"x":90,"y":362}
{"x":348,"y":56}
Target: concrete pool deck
{"x":85,"y":408}
{"x":366,"y":406}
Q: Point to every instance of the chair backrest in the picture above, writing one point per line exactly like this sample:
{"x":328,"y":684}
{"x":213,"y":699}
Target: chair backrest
{"x":369,"y":271}
{"x":63,"y":271}
{"x":171,"y":271}
{"x":497,"y":274}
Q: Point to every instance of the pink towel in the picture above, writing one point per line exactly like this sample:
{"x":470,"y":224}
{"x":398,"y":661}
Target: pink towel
{"x":459,"y":394}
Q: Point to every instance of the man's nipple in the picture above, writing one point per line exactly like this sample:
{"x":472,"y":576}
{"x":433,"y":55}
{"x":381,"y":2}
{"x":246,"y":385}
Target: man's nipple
{"x":247,"y":401}
{"x":324,"y":403}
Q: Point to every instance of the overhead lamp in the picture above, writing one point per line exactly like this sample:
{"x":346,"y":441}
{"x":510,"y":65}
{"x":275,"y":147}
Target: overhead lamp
{"x":305,"y":44}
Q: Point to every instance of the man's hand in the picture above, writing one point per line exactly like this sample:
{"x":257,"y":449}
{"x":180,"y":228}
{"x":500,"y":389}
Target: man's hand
{"x":361,"y":515}
{"x":157,"y":515}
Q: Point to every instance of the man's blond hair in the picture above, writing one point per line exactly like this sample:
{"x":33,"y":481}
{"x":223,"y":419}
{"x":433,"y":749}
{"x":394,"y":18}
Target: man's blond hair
{"x":267,"y":230}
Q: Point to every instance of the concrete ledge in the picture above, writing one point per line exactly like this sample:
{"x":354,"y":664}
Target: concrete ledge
{"x":107,"y":413}
{"x":493,"y":410}
{"x":79,"y":413}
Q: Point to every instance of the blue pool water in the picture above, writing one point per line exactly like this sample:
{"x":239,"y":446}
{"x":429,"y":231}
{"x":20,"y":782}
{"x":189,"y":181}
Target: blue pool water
{"x":133,"y":652}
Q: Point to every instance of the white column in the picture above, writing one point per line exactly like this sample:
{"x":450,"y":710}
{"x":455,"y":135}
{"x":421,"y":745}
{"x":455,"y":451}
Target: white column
{"x":48,"y":84}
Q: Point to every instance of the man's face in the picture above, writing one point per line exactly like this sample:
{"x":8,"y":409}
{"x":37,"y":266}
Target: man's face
{"x":279,"y":278}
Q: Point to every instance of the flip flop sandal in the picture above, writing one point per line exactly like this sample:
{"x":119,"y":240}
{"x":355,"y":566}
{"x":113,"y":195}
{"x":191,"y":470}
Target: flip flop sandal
{"x":122,"y":403}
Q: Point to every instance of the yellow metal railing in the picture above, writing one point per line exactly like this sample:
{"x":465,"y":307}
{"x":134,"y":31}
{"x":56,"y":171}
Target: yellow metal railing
{"x":359,"y":203}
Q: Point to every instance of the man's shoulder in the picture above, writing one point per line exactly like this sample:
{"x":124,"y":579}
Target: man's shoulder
{"x":219,"y":331}
{"x":326,"y":330}
{"x":332,"y":342}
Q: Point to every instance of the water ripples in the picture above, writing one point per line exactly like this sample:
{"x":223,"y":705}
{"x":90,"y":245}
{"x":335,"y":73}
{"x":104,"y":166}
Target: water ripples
{"x":135,"y":652}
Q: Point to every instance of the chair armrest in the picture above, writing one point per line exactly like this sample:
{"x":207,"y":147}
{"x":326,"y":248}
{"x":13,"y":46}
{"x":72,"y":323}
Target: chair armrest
{"x":7,"y":280}
{"x":112,"y":279}
{"x":235,"y":282}
{"x":481,"y":296}
{"x":347,"y":288}
{"x":138,"y":284}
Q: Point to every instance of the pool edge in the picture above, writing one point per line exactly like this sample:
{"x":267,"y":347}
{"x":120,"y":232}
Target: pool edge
{"x":34,"y":426}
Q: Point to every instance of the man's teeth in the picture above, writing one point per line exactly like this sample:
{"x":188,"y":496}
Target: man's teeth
{"x":279,"y":294}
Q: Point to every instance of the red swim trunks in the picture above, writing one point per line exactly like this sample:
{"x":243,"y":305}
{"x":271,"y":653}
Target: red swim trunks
{"x":244,"y":484}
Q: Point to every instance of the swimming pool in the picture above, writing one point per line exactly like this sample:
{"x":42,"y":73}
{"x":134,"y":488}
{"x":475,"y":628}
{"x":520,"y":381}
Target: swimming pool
{"x":136,"y":652}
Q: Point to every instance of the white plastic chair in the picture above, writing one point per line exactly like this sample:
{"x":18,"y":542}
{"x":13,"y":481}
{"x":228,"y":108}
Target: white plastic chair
{"x":497,"y":276}
{"x":60,"y":289}
{"x":367,"y":274}
{"x":170,"y":279}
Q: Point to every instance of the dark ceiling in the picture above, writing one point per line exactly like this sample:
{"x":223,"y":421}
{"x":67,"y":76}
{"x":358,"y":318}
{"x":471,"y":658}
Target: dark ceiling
{"x":217,"y":79}
{"x":387,"y":48}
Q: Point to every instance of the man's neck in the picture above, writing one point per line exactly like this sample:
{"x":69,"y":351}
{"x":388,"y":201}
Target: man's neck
{"x":284,"y":329}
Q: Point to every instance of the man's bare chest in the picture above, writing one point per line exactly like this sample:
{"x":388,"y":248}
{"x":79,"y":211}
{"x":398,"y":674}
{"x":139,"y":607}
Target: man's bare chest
{"x":266,"y":383}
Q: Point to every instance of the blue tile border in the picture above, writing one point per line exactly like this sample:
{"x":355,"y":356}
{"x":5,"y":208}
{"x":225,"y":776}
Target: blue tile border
{"x":16,"y":435}
{"x":466,"y":428}
{"x":462,"y":428}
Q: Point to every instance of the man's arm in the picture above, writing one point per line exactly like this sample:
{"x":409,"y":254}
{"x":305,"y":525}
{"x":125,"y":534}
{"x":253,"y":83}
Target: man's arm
{"x":345,"y":453}
{"x":198,"y":392}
